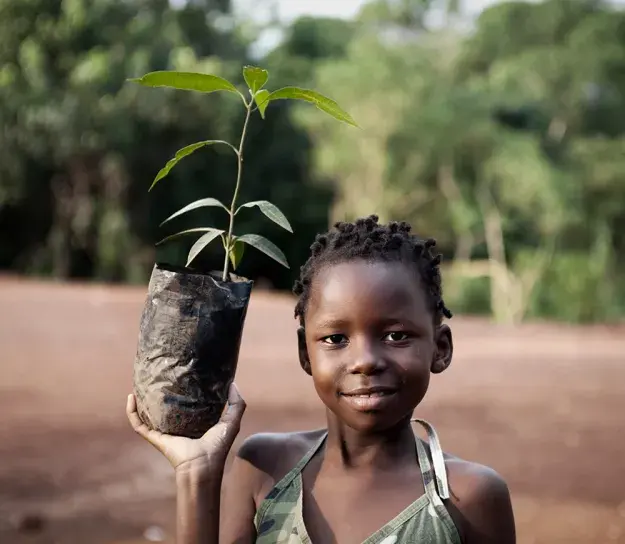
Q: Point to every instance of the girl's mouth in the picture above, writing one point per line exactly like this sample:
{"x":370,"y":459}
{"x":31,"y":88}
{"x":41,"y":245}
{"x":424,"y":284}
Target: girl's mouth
{"x":370,"y":398}
{"x":368,"y":395}
{"x":378,"y":390}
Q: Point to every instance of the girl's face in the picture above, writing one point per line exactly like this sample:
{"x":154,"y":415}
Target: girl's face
{"x":370,"y":342}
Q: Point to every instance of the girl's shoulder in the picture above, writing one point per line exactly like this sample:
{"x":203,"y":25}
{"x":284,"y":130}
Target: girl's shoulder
{"x":468,"y":474}
{"x":261,"y":462}
{"x":480,"y":503}
{"x":473,"y":480}
{"x":265,"y":458}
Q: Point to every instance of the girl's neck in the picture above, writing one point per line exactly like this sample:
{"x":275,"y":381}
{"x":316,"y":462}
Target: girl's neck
{"x":351,"y":450}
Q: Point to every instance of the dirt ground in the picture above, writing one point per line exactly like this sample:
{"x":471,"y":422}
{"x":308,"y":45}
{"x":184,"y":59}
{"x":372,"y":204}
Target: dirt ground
{"x":542,"y":404}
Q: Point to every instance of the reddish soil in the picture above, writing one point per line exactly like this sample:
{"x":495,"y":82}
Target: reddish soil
{"x":542,"y":404}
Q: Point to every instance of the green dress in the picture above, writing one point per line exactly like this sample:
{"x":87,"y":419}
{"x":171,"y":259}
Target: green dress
{"x":279,"y":520}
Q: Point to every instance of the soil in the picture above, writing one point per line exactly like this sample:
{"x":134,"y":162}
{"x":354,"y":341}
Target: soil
{"x":543,"y":404}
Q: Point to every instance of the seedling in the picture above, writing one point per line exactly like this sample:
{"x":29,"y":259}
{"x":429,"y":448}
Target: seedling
{"x":260,"y":98}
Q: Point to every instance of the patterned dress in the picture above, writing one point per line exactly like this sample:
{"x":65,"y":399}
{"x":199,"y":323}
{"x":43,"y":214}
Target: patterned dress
{"x":279,"y":520}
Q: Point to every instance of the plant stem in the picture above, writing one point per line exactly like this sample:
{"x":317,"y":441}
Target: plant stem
{"x":232,"y":209}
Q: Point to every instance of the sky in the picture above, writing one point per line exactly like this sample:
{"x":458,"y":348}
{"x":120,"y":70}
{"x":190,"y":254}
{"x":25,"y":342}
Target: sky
{"x":287,"y":10}
{"x":291,"y":9}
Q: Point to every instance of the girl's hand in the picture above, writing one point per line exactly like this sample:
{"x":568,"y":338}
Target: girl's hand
{"x":206,"y":453}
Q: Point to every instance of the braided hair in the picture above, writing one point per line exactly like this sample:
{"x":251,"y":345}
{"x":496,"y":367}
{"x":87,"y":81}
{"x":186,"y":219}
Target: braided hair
{"x":369,"y":240}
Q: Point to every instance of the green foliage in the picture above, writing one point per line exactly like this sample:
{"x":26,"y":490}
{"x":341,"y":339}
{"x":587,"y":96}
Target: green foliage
{"x":79,"y":146}
{"x":506,"y":143}
{"x":201,"y":243}
{"x":181,"y":154}
{"x":261,"y":101}
{"x":264,"y":245}
{"x":467,"y":295}
{"x":271,"y":211}
{"x":322,"y":102}
{"x":317,"y":38}
{"x":190,"y":231}
{"x":235,"y":252}
{"x":186,"y":81}
{"x":255,"y":78}
{"x":202,"y":203}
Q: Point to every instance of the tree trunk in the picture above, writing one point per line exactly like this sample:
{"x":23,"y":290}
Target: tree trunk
{"x":500,"y":280}
{"x":450,"y":190}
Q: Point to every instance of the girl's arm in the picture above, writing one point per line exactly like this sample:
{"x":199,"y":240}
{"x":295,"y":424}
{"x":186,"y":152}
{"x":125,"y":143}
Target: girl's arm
{"x":199,"y":465}
{"x":239,"y":494}
{"x":197,"y":506}
{"x":262,"y":461}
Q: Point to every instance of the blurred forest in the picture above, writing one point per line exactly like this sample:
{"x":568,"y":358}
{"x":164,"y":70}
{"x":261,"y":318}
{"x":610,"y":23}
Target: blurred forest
{"x":504,"y":138}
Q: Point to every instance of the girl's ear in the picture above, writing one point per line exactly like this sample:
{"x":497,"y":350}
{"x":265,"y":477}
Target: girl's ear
{"x":444,"y":349}
{"x":304,"y":360}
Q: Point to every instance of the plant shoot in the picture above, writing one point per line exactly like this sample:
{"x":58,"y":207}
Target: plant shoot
{"x":259,"y":99}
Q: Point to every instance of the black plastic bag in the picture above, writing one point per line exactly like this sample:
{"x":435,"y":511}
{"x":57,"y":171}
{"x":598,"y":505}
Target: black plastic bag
{"x":188,"y":348}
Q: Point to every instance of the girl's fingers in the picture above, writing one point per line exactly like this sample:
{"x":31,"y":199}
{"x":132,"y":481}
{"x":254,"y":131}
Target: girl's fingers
{"x":131,"y":404}
{"x":236,"y":406}
{"x":131,"y":412}
{"x":234,"y":397}
{"x":230,"y":422}
{"x":135,"y":421}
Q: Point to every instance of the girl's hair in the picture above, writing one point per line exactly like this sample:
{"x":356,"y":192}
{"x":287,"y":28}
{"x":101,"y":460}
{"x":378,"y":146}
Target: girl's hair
{"x":366,"y":239}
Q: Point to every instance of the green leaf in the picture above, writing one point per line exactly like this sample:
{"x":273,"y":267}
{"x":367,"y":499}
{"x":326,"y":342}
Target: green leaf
{"x":271,"y":211}
{"x":181,"y":154}
{"x":189,"y":231}
{"x":255,"y":77}
{"x":201,"y":243}
{"x":236,"y":253}
{"x":186,"y":81}
{"x":322,"y":102}
{"x":202,"y":203}
{"x":264,"y":245}
{"x":261,"y":101}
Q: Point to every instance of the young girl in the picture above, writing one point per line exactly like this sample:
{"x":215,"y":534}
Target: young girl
{"x":371,"y":334}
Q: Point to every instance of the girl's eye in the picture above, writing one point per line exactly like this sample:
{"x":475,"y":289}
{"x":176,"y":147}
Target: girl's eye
{"x":396,"y":336}
{"x":334,"y":339}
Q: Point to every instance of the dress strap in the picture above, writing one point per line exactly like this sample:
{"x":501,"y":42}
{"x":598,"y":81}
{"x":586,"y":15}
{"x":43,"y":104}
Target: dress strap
{"x":297,"y":469}
{"x":438,"y":483}
{"x":286,"y":481}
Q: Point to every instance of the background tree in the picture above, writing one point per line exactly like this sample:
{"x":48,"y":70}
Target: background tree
{"x":503,"y":138}
{"x":480,"y":141}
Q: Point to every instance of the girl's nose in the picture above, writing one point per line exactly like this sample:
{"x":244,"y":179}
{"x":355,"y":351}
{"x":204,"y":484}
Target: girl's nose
{"x":366,"y":358}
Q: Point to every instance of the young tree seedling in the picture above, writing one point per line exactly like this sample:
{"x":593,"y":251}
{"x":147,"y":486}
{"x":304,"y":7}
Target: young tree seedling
{"x":259,"y":99}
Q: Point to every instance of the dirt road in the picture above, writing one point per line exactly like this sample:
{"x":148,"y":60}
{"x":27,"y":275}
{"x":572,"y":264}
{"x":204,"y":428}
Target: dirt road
{"x":543,"y":404}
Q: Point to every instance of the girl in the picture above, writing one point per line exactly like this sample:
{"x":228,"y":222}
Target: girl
{"x":370,"y":336}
